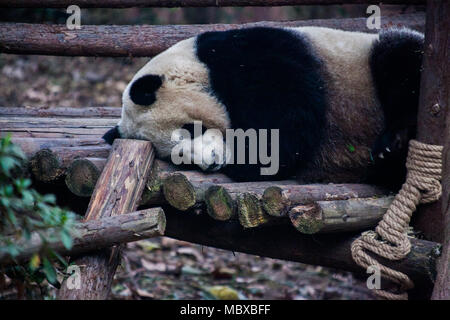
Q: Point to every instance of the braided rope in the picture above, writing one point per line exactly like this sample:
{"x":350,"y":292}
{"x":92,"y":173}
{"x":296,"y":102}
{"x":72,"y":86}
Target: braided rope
{"x":390,"y":240}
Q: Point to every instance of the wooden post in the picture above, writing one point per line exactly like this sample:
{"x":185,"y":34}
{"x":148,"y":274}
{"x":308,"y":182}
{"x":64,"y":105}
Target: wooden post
{"x":433,"y":104}
{"x":434,"y":125}
{"x":117,"y":191}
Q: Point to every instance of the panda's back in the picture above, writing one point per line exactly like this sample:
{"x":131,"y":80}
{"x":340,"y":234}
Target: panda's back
{"x":355,"y":116}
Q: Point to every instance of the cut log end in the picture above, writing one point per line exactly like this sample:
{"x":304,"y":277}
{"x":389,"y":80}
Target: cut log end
{"x":274,"y":202}
{"x":219,"y":203}
{"x":307,"y":218}
{"x":153,"y":188}
{"x":250,"y":211}
{"x":45,"y":166}
{"x":82,"y":175}
{"x":179,"y":192}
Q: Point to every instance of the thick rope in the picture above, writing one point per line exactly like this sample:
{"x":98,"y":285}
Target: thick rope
{"x":390,"y":240}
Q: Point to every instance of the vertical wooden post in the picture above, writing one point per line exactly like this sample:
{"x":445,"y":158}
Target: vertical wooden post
{"x":118,"y":191}
{"x":433,"y":104}
{"x":439,"y":15}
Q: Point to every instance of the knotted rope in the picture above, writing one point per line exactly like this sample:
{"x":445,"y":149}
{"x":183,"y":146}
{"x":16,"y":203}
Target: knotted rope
{"x":390,"y":240}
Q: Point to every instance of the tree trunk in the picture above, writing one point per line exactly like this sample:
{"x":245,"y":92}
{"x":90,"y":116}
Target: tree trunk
{"x":147,"y":40}
{"x":97,"y":234}
{"x":117,"y":192}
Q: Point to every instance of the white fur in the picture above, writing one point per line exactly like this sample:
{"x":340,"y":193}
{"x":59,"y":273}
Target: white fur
{"x":182,"y":98}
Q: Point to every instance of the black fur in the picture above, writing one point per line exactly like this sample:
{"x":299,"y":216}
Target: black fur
{"x":142,"y":91}
{"x":396,"y":62}
{"x":111,"y":135}
{"x":268,"y":79}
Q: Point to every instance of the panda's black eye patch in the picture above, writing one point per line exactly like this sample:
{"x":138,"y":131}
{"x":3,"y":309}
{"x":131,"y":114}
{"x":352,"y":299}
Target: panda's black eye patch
{"x":142,"y":91}
{"x":191,"y":128}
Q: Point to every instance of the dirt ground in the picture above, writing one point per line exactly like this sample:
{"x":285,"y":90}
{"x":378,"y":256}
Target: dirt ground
{"x":164,"y":268}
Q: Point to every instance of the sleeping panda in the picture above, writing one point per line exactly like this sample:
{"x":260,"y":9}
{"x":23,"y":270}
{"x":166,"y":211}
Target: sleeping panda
{"x":344,"y":103}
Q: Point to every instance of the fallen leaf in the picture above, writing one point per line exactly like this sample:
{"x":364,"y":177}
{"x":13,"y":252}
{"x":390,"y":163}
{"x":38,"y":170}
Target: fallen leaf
{"x":223,"y":293}
{"x":150,"y":266}
{"x":148,"y":246}
{"x":144,"y":293}
{"x":191,"y":252}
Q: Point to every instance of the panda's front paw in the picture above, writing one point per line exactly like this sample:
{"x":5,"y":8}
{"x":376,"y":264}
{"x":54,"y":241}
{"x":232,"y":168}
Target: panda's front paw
{"x":390,"y":143}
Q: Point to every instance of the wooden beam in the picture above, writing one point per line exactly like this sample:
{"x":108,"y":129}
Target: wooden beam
{"x":117,"y":192}
{"x":433,"y":105}
{"x":64,"y":112}
{"x":186,"y":3}
{"x":146,"y":40}
{"x":96,"y":234}
{"x":286,"y":243}
{"x":435,"y":128}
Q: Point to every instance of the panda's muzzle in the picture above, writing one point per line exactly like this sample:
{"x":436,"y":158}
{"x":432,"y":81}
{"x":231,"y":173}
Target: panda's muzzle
{"x":111,"y":135}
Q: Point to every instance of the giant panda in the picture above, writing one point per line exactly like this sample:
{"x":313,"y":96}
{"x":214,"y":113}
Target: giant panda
{"x":345,"y":103}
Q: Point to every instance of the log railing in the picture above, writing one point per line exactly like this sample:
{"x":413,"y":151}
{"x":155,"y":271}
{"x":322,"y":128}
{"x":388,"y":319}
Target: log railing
{"x":186,"y":3}
{"x":149,"y":40}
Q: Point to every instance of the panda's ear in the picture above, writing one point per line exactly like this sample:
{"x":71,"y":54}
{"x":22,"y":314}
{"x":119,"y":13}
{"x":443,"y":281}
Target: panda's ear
{"x":142,"y":91}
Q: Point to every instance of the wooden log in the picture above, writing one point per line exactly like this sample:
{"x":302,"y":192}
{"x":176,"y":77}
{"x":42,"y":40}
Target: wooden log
{"x":185,"y":3}
{"x":250,"y":211}
{"x":95,"y":234}
{"x":340,"y":215}
{"x":433,"y":106}
{"x":183,"y":194}
{"x":286,"y":243}
{"x":56,"y":127}
{"x":81,"y":177}
{"x":434,"y":125}
{"x":64,"y":112}
{"x":117,"y":192}
{"x":146,"y":40}
{"x":32,"y":145}
{"x":49,"y":165}
{"x":57,"y":122}
{"x":275,"y":202}
{"x":37,"y":132}
{"x":219,"y":204}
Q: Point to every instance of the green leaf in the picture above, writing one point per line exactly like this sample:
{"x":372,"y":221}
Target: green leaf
{"x":66,"y":239}
{"x":49,"y":271}
{"x":7,"y":163}
{"x":58,"y":256}
{"x":351,"y":148}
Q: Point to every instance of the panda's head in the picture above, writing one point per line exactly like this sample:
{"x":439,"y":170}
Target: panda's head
{"x":169,"y":93}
